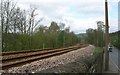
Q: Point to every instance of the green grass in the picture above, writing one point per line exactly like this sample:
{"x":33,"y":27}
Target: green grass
{"x":97,"y":51}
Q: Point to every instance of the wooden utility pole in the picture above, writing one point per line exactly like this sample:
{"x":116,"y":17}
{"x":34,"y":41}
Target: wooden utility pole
{"x":106,"y":37}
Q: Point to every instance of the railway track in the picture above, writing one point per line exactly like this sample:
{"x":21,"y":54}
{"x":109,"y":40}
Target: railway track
{"x":24,"y":51}
{"x":13,"y":59}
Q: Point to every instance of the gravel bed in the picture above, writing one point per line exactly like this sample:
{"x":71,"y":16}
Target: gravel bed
{"x":52,"y":61}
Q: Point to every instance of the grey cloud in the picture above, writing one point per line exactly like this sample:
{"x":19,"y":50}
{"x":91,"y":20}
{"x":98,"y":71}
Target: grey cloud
{"x":52,"y":9}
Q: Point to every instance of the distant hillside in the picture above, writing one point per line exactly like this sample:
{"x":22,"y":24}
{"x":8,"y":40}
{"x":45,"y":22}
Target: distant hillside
{"x":115,"y":33}
{"x":115,"y":39}
{"x":81,"y":35}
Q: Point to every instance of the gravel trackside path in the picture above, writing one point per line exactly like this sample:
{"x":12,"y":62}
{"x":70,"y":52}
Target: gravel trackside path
{"x":52,"y":61}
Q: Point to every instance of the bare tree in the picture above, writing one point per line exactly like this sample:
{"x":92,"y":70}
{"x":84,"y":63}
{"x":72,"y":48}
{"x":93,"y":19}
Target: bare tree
{"x":33,"y":23}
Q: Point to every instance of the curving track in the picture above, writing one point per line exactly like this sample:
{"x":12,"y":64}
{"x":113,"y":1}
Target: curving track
{"x":12,"y":59}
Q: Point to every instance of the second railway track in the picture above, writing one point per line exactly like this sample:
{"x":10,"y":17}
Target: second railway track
{"x":20,"y":58}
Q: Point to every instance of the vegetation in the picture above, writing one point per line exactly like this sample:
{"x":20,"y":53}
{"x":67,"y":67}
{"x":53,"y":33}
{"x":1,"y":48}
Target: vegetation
{"x":114,"y":38}
{"x":23,"y":31}
{"x":97,"y":51}
{"x":96,"y":36}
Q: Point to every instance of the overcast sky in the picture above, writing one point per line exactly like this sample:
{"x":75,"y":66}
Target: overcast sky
{"x":78,"y":14}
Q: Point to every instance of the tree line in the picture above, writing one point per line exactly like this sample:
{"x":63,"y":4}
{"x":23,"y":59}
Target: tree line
{"x":96,"y":37}
{"x":22,"y":30}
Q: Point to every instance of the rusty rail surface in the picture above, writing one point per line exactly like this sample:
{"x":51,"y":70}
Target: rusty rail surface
{"x":13,"y":59}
